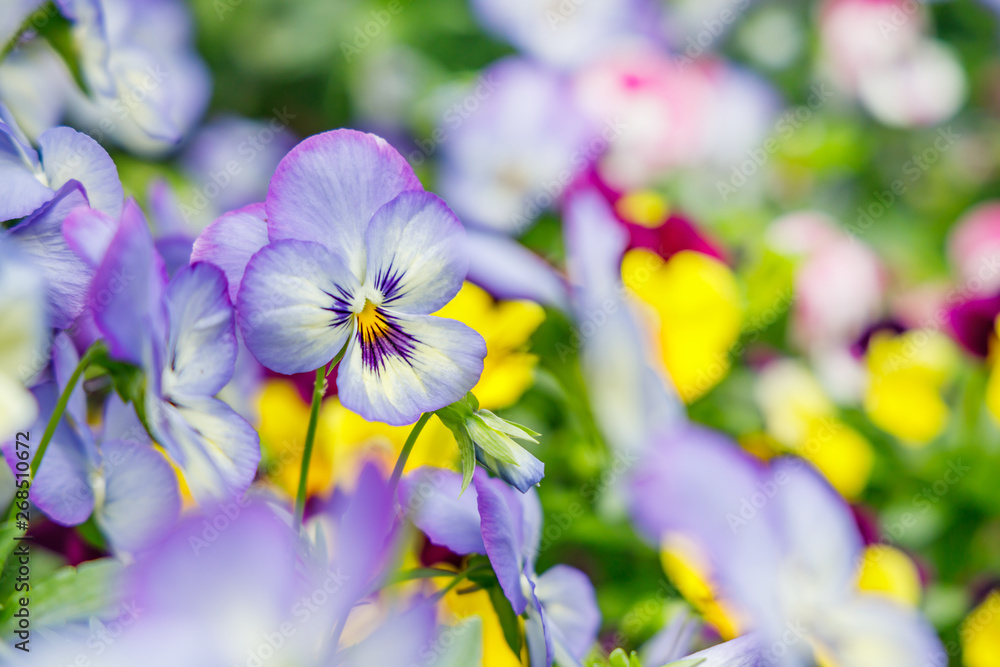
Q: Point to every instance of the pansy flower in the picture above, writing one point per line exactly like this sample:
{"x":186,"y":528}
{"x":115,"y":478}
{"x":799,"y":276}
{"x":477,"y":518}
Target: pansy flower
{"x":42,"y":187}
{"x":114,"y":475}
{"x":780,"y":547}
{"x":491,"y":519}
{"x":181,"y":333}
{"x":356,"y":254}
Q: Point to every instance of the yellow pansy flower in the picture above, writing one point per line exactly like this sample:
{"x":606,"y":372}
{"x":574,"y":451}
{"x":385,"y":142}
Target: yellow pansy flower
{"x":696,"y":307}
{"x":886,"y":570}
{"x":506,"y":327}
{"x":980,"y":634}
{"x":802,"y":418}
{"x":907,"y":373}
{"x":688,"y":569}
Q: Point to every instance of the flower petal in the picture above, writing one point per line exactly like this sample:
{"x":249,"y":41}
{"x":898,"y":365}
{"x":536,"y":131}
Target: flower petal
{"x":127,"y":294}
{"x":327,"y":189}
{"x":23,"y":191}
{"x":500,"y":521}
{"x":23,"y":323}
{"x":216,"y":448}
{"x":67,"y":277}
{"x":508,"y":270}
{"x":570,"y":605}
{"x":523,"y":474}
{"x":230,"y":241}
{"x":294,"y":306}
{"x":430,"y":497}
{"x":415,"y":253}
{"x":71,"y":155}
{"x":406,"y":365}
{"x":874,"y":632}
{"x":89,"y":232}
{"x":201,"y":347}
{"x":141,"y":496}
{"x":820,"y":531}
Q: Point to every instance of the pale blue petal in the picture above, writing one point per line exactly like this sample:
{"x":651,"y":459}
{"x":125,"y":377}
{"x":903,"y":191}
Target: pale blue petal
{"x":872,"y":631}
{"x":508,"y":270}
{"x":415,"y":364}
{"x":201,"y":347}
{"x":294,"y":306}
{"x":523,"y":474}
{"x":67,"y":277}
{"x":415,"y":253}
{"x":230,"y":241}
{"x":71,"y":155}
{"x":430,"y":498}
{"x":215,"y":447}
{"x":327,"y":189}
{"x":141,"y":495}
{"x":569,"y":603}
{"x":24,"y":188}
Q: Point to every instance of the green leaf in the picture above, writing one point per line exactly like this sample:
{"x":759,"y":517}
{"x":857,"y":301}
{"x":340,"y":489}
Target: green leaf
{"x":492,"y":442}
{"x":72,"y":593}
{"x":468,"y":452}
{"x":9,"y":532}
{"x":508,"y":619}
{"x":58,"y":32}
{"x":465,"y":647}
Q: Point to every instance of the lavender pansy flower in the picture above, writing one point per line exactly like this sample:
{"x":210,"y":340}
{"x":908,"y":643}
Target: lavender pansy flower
{"x":181,"y":332}
{"x":490,"y":518}
{"x":115,"y":476}
{"x":509,"y":161}
{"x":70,"y":170}
{"x":137,"y":56}
{"x":264,"y":592}
{"x":357,"y":255}
{"x":792,"y":564}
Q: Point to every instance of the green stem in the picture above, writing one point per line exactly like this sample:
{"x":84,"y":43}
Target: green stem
{"x":57,"y":414}
{"x":397,"y":472}
{"x":319,"y":388}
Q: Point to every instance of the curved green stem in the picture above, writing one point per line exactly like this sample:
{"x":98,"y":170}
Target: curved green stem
{"x":60,"y":408}
{"x":319,"y":389}
{"x":397,"y":472}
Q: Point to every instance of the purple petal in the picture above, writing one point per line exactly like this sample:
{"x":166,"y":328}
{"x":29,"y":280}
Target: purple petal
{"x":508,"y":270}
{"x":401,"y":366}
{"x":523,"y":474}
{"x":23,"y":191}
{"x":569,"y":603}
{"x":127,"y":294}
{"x":742,"y":652}
{"x":294,"y":306}
{"x":230,"y":241}
{"x":430,"y":498}
{"x":415,"y":253}
{"x":327,"y":189}
{"x":89,"y":232}
{"x":500,"y":520}
{"x":201,"y":347}
{"x":67,"y":277}
{"x":233,"y":556}
{"x":141,"y":496}
{"x":175,"y":251}
{"x":61,"y":488}
{"x":973,"y":323}
{"x":71,"y":155}
{"x":396,"y":641}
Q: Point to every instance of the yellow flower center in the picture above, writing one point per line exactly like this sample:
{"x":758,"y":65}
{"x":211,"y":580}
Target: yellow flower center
{"x":371,"y":322}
